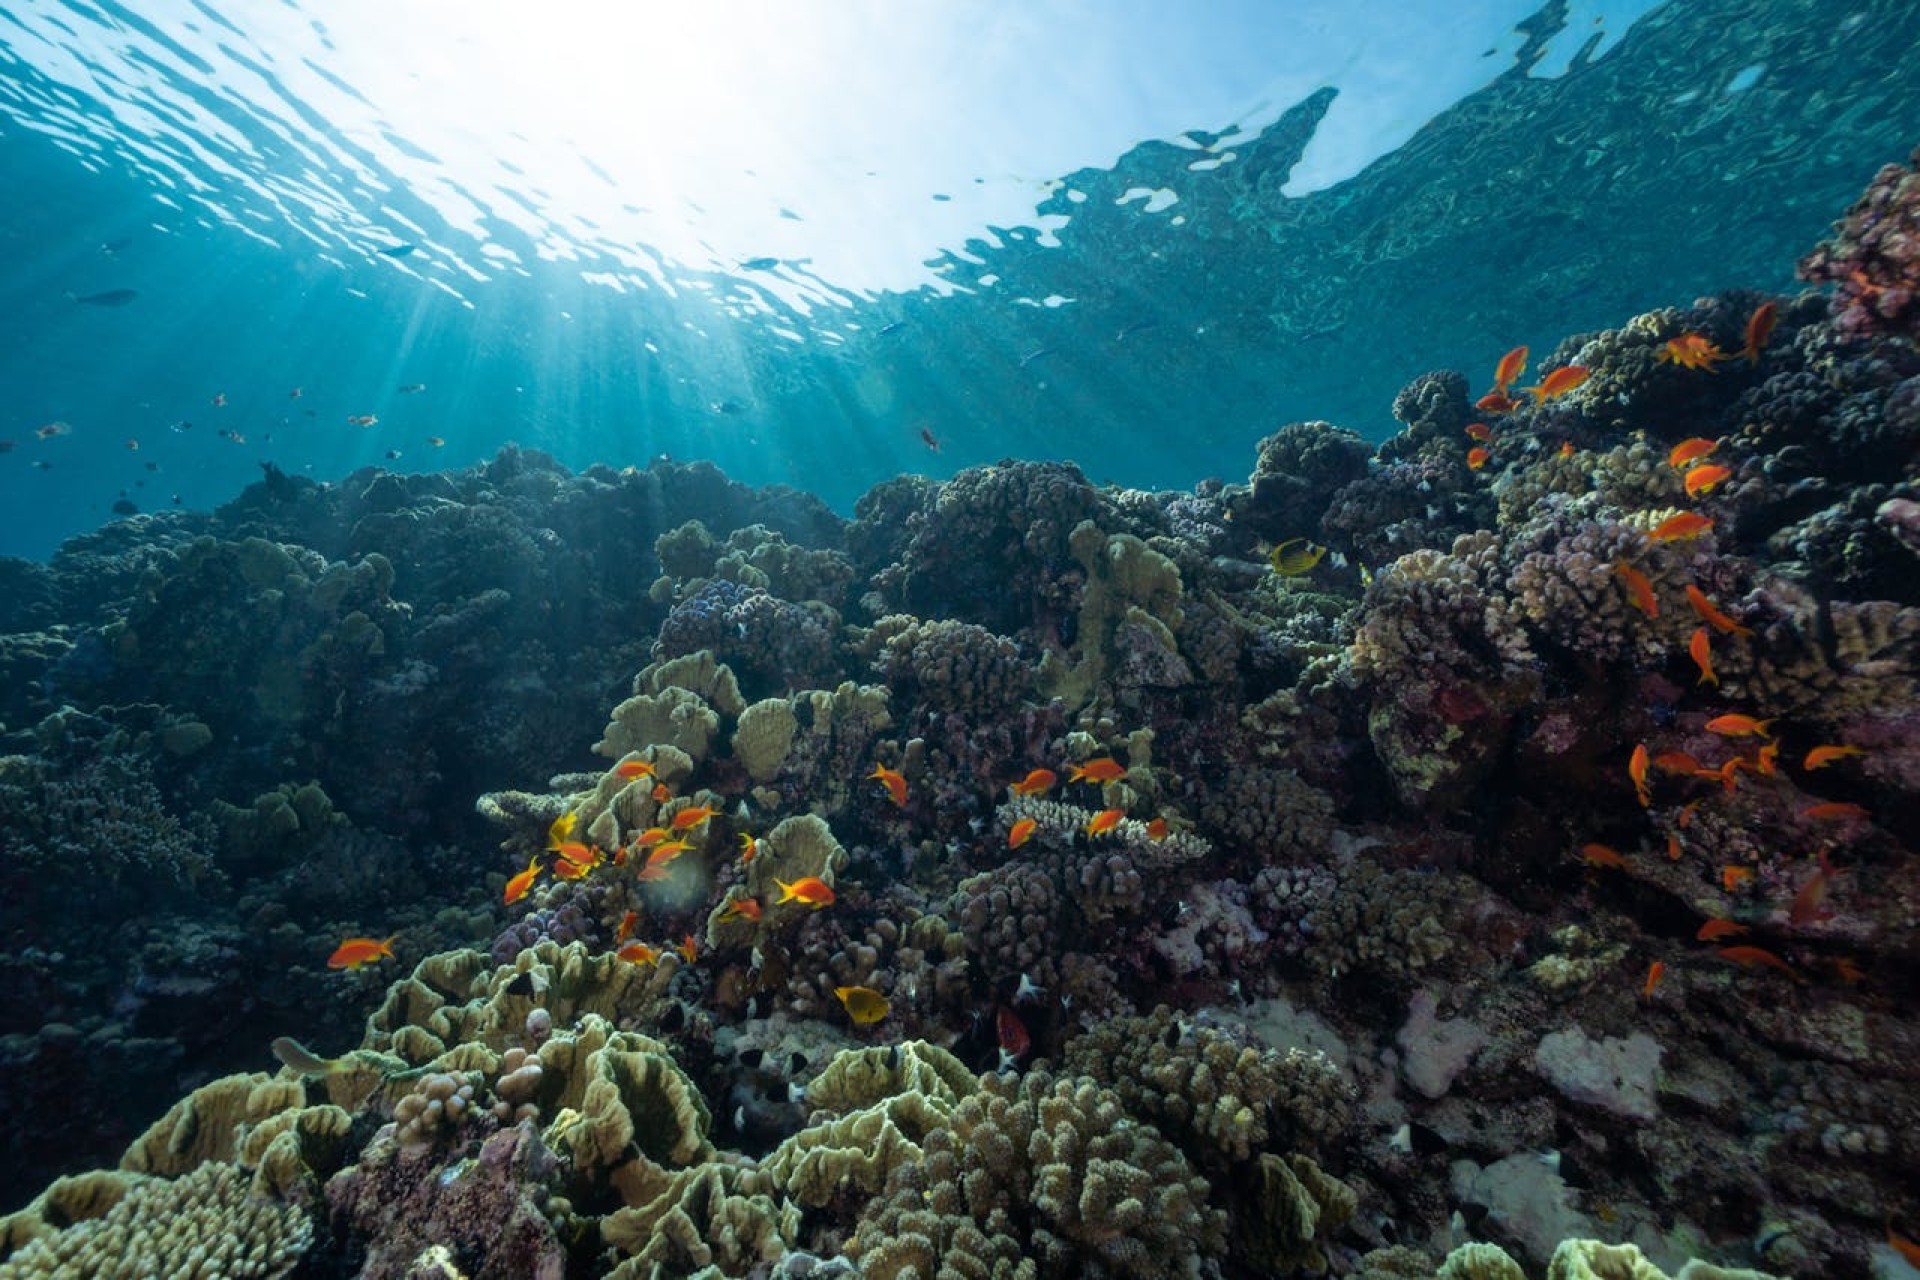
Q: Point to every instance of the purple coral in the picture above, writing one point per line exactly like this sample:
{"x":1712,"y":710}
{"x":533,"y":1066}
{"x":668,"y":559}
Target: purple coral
{"x":1874,"y":257}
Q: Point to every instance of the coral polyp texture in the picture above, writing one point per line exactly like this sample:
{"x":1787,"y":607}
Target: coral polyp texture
{"x":1402,"y":863}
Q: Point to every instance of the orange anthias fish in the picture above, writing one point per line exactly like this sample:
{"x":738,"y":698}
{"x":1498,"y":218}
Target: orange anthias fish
{"x":1825,"y":754}
{"x":1703,"y":478}
{"x":566,"y":870}
{"x":1835,"y":809}
{"x":631,"y":769}
{"x":561,"y":829}
{"x":1685,"y":819}
{"x":1158,"y":829}
{"x":1021,"y":833}
{"x":666,"y":852}
{"x":638,"y":953}
{"x":652,"y":836}
{"x":748,"y":848}
{"x":1739,"y":726}
{"x":1478,"y":457}
{"x":1691,"y":351}
{"x":1639,"y":590}
{"x":688,"y":819}
{"x":1700,"y":649}
{"x":811,"y":890}
{"x":1566,"y":448}
{"x":1688,"y":451}
{"x":1655,"y":972}
{"x":1809,"y":903}
{"x":1759,"y":328}
{"x":1104,"y":821}
{"x":355,"y":952}
{"x":1037,"y":783}
{"x":1717,"y":928}
{"x":742,"y":909}
{"x":1711,"y":615}
{"x":894,"y":781}
{"x":689,"y":949}
{"x":655,"y":871}
{"x":1559,"y":382}
{"x":1674,"y":848}
{"x":1637,"y":771}
{"x":1104,"y":769}
{"x":1511,"y":366}
{"x":1496,"y":402}
{"x":578,"y":854}
{"x":1748,"y":957}
{"x":1479,"y":432}
{"x":1676,"y":762}
{"x":625,"y":930}
{"x":1678,"y":528}
{"x":1600,"y":855}
{"x":518,"y":886}
{"x":662,"y":793}
{"x":1732,"y":877}
{"x":1725,"y":775}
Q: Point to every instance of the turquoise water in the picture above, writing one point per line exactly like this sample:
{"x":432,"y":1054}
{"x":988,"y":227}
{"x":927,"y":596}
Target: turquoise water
{"x":1336,"y":228}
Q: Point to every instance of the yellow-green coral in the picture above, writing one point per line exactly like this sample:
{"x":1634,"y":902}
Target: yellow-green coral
{"x":206,"y":1224}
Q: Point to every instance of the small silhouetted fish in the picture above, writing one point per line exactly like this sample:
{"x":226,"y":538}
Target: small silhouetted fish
{"x":1035,"y":354}
{"x":392,"y":454}
{"x":413,"y":388}
{"x":396,"y":250}
{"x":892,"y":327}
{"x":6,"y":446}
{"x":1137,"y":326}
{"x":42,"y":464}
{"x":153,"y":466}
{"x":122,"y":507}
{"x":731,"y":408}
{"x":176,"y":499}
{"x":109,"y":298}
{"x":760,"y":264}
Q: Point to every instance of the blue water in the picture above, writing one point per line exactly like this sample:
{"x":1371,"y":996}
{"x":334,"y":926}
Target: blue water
{"x":1588,"y":169}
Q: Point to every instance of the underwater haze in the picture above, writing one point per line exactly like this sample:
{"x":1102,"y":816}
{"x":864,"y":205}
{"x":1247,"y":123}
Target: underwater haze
{"x":749,"y":640}
{"x":800,"y":241}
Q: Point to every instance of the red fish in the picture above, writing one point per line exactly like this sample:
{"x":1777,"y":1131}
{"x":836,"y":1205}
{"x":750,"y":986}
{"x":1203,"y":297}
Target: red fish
{"x":742,"y":909}
{"x":1704,"y":478}
{"x":1759,"y":328}
{"x":1717,"y":928}
{"x":1559,"y":382}
{"x":625,"y":930}
{"x":1690,"y":451}
{"x":655,"y":871}
{"x":1739,"y":726}
{"x":667,"y":851}
{"x":1674,"y":849}
{"x":894,"y":781}
{"x":1724,"y":775}
{"x":1700,"y":649}
{"x":1712,"y":616}
{"x":1158,"y":829}
{"x":631,"y":769}
{"x":688,"y":819}
{"x":1021,"y":833}
{"x":1637,"y":772}
{"x":748,"y":848}
{"x":1825,"y":754}
{"x":1511,"y":366}
{"x":578,"y":854}
{"x":1479,"y":432}
{"x":1748,"y":957}
{"x":1496,"y":402}
{"x":689,"y":949}
{"x":1039,"y":782}
{"x":1685,"y":819}
{"x":1835,"y":809}
{"x":1732,"y":877}
{"x":1566,"y":448}
{"x":518,"y":886}
{"x":1104,"y":821}
{"x":355,"y":952}
{"x":1600,"y":855}
{"x":1690,"y":351}
{"x":811,"y":890}
{"x":1809,"y":903}
{"x":565,"y":870}
{"x":1478,"y":457}
{"x":1104,"y":769}
{"x":1639,"y":590}
{"x":1655,"y":972}
{"x":1676,"y":762}
{"x":662,"y":793}
{"x":652,"y":836}
{"x":638,"y":953}
{"x":1678,"y":528}
{"x":1012,"y":1032}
